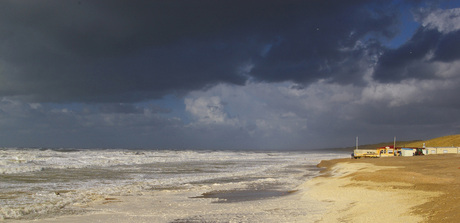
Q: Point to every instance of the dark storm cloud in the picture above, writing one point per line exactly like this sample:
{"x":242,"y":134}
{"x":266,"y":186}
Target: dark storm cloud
{"x":415,"y":58}
{"x":113,"y":51}
{"x":326,"y":46}
{"x":125,"y":51}
{"x":435,"y":41}
{"x":448,"y":48}
{"x":408,"y":60}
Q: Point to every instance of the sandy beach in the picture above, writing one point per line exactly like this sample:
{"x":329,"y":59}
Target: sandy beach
{"x":396,"y":189}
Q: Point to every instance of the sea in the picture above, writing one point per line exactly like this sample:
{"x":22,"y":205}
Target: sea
{"x":37,"y":183}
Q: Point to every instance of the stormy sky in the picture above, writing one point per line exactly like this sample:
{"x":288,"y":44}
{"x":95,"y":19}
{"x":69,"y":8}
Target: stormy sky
{"x":236,"y":74}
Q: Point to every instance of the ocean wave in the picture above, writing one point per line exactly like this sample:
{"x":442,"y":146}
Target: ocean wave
{"x":41,"y":182}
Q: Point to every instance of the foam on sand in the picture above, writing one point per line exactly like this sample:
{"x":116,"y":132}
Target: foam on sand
{"x":155,"y":186}
{"x":400,"y":189}
{"x":178,"y":206}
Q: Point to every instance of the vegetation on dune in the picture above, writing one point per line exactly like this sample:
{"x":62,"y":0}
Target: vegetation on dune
{"x":444,"y":141}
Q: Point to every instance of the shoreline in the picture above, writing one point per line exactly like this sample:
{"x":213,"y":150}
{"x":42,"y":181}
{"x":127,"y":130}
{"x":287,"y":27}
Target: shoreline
{"x":393,"y":189}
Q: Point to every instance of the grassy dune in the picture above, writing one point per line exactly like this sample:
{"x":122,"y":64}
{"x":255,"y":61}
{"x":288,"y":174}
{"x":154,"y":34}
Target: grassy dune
{"x":445,"y":141}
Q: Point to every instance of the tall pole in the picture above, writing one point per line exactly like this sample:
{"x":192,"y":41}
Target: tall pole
{"x":394,"y":144}
{"x":356,"y":142}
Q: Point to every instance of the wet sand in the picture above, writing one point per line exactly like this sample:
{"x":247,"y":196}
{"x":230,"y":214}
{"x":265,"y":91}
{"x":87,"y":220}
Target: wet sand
{"x":181,"y":207}
{"x":395,"y":189}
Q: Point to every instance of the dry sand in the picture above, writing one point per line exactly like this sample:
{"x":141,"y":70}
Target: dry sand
{"x":396,"y":189}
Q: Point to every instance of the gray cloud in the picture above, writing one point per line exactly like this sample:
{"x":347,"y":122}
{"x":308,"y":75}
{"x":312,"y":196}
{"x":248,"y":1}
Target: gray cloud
{"x":409,"y":60}
{"x":248,"y":74}
{"x":435,"y":41}
{"x":448,"y":49}
{"x":114,"y":51}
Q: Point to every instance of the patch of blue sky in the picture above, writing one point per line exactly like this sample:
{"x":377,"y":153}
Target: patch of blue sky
{"x":407,"y":28}
{"x":450,"y":4}
{"x":408,"y":24}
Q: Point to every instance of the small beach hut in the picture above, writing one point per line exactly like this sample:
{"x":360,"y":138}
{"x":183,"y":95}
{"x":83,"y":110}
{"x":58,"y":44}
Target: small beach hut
{"x":407,"y":152}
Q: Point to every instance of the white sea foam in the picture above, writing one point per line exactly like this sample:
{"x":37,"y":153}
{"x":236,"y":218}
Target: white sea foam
{"x":44,"y":182}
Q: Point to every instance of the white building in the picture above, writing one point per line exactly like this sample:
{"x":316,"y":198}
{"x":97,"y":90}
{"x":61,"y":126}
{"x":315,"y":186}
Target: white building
{"x":442,"y":150}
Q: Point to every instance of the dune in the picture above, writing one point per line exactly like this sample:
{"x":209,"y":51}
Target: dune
{"x":444,"y":141}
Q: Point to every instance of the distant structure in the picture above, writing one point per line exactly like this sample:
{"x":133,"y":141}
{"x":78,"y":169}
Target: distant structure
{"x":388,"y":151}
{"x":442,"y":150}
